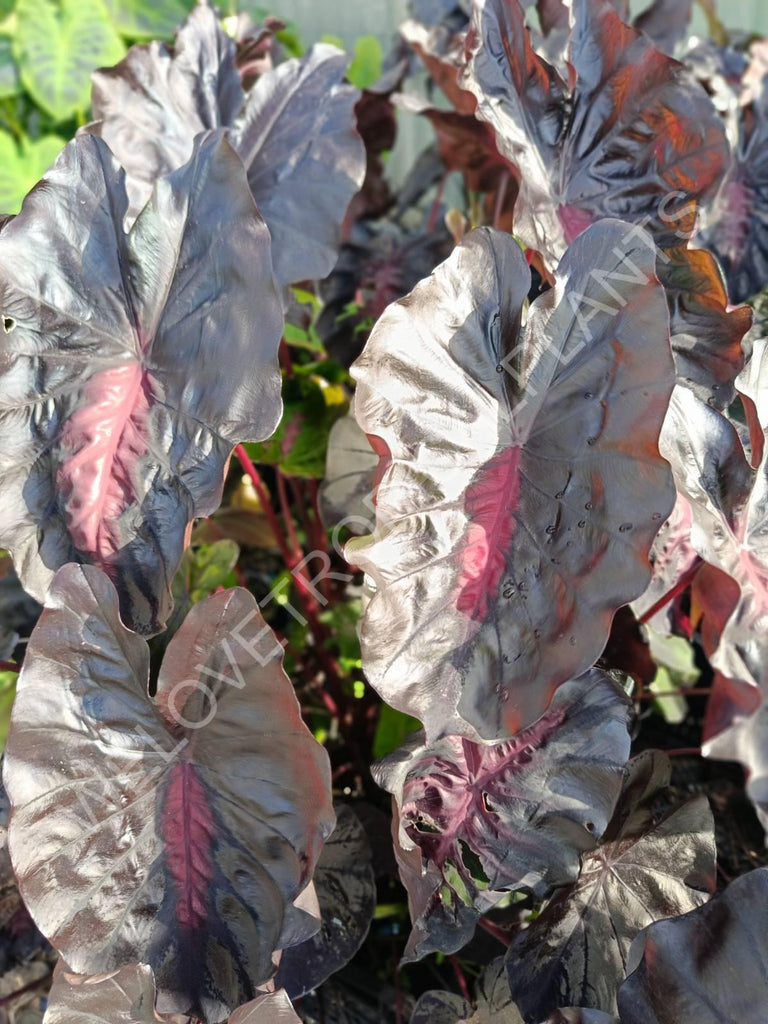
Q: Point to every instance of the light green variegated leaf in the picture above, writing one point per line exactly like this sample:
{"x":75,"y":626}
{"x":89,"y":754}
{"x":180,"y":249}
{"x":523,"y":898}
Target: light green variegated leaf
{"x":9,"y":75}
{"x":58,"y":43}
{"x":148,"y":19}
{"x":22,"y":167}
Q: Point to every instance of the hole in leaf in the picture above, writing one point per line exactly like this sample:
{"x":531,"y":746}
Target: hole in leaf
{"x":8,"y":324}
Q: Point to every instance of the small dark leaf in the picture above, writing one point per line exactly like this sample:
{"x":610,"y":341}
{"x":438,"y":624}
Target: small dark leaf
{"x":346,"y":892}
{"x":706,"y":967}
{"x":514,"y":515}
{"x":134,"y":364}
{"x":516,"y":814}
{"x":576,"y":950}
{"x":178,"y":829}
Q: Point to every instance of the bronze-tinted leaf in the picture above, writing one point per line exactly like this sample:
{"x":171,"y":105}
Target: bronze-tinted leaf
{"x":179,"y":828}
{"x":518,"y":501}
{"x":346,"y":494}
{"x":628,"y":107}
{"x":706,"y":967}
{"x":346,"y":892}
{"x":130,"y":365}
{"x":485,"y":818}
{"x":575,"y":952}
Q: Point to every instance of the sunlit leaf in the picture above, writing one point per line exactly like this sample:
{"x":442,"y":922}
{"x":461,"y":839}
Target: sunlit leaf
{"x":515,"y":814}
{"x":517,"y":504}
{"x":23,"y":166}
{"x":130,"y":366}
{"x":148,"y":19}
{"x":57,"y":44}
{"x":211,"y":798}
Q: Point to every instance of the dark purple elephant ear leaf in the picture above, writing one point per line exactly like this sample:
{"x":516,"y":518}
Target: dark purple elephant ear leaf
{"x":515,"y":514}
{"x":575,"y":952}
{"x":295,"y":132}
{"x":706,"y":967}
{"x":346,"y":892}
{"x":130,"y":366}
{"x":149,"y":107}
{"x":487,"y":818}
{"x":305,"y":159}
{"x":737,"y":231}
{"x":126,"y":995}
{"x":629,"y":105}
{"x":212,"y":798}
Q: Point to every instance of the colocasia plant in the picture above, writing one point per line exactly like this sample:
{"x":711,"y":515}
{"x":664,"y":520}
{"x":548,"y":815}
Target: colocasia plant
{"x":317,"y":492}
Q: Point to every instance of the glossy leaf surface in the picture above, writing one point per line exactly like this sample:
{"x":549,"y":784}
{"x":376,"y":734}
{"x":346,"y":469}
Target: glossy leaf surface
{"x":128,"y":996}
{"x":706,"y":967}
{"x":738,"y":228}
{"x":629,"y":105}
{"x":183,"y":827}
{"x":516,"y":814}
{"x":295,"y":132}
{"x":575,"y":952}
{"x":729,"y":503}
{"x":130,"y":366}
{"x":517,"y":505}
{"x":346,"y":892}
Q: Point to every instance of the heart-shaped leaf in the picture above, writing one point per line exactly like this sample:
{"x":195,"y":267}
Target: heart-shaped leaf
{"x":516,"y":814}
{"x":296,"y":132}
{"x":706,"y":967}
{"x":628,"y":105}
{"x":130,"y":366}
{"x":575,"y":952}
{"x":57,"y":44}
{"x":516,"y":507}
{"x":346,"y":892}
{"x":23,"y":166}
{"x":179,"y":829}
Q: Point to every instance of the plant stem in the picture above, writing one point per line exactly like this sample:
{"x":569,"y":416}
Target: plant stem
{"x":436,"y":204}
{"x":9,"y":666}
{"x":501,"y":195}
{"x":495,"y":931}
{"x":683,"y":752}
{"x":266,"y":502}
{"x":670,"y":595}
{"x":461,"y":980}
